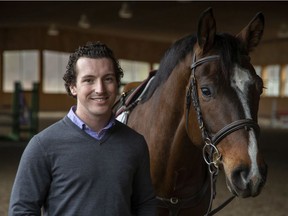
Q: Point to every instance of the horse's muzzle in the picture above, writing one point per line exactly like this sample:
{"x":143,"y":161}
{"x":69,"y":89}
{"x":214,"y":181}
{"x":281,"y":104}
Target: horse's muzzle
{"x":245,"y":184}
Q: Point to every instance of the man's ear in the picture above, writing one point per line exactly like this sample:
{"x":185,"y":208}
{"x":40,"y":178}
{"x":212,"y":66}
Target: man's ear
{"x":73,"y":90}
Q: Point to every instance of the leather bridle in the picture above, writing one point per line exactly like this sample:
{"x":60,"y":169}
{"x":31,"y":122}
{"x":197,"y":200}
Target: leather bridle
{"x":211,"y":154}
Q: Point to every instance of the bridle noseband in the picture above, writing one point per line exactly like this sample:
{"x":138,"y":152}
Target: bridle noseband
{"x":211,"y":155}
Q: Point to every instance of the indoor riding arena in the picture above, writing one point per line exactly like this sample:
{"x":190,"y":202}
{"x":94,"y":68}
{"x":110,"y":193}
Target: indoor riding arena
{"x":35,"y":45}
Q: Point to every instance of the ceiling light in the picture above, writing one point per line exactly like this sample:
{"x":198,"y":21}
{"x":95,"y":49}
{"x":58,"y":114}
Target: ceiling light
{"x":84,"y":22}
{"x":125,"y":11}
{"x":52,"y":30}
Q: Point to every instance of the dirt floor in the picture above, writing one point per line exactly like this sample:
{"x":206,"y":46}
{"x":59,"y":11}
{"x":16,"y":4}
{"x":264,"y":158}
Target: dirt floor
{"x":273,"y":201}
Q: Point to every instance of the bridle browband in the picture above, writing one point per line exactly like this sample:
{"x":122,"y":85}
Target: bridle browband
{"x":211,"y":154}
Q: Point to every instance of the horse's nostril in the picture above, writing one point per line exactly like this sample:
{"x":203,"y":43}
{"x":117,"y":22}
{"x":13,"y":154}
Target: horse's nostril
{"x":239,"y":178}
{"x":244,"y":175}
{"x":245,"y":183}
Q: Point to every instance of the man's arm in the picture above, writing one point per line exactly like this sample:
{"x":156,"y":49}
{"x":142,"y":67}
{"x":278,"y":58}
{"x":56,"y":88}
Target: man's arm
{"x":143,"y":200}
{"x":31,"y":183}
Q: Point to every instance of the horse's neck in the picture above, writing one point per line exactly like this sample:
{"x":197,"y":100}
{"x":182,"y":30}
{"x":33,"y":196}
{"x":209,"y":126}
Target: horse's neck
{"x":185,"y":172}
{"x":164,"y":109}
{"x":171,"y":95}
{"x":185,"y":169}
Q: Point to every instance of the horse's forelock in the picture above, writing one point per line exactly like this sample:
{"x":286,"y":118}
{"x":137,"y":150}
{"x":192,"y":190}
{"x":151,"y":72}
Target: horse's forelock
{"x":230,"y":51}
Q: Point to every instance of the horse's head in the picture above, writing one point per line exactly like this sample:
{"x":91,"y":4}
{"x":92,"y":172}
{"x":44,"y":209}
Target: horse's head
{"x":226,"y":102}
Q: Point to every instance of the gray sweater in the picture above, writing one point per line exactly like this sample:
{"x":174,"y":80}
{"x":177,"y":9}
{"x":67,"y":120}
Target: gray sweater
{"x":68,"y":172}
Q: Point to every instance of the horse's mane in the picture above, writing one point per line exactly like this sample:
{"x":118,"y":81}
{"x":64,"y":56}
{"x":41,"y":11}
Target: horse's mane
{"x":172,"y":57}
{"x":230,"y":49}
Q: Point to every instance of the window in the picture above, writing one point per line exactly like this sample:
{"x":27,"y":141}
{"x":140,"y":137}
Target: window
{"x":258,"y":70}
{"x":284,"y":81}
{"x":271,"y":78}
{"x":134,"y":70}
{"x":54,"y":68}
{"x":155,"y":66}
{"x":20,"y":66}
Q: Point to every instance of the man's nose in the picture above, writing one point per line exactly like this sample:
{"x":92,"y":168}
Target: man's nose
{"x":99,"y":87}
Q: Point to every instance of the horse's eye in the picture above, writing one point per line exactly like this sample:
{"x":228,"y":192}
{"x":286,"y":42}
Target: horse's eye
{"x":206,"y":92}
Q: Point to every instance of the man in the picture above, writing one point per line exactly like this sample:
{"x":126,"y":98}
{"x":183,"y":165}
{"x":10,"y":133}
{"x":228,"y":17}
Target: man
{"x":87,"y":163}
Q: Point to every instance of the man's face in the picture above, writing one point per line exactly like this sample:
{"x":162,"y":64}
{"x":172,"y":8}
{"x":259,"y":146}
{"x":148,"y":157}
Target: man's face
{"x":96,"y":88}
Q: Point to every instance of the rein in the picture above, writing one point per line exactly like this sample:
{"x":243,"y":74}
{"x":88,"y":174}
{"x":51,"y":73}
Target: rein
{"x":211,"y":154}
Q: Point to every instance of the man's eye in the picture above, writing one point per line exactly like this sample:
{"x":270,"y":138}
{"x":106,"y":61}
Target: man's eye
{"x":88,"y":80}
{"x":109,"y":79}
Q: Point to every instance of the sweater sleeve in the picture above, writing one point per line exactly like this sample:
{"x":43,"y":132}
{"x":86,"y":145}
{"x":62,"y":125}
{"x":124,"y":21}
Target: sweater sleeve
{"x":32,"y":181}
{"x":143,"y":199}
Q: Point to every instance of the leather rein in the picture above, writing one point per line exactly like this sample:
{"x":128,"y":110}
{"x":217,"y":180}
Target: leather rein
{"x":211,"y":154}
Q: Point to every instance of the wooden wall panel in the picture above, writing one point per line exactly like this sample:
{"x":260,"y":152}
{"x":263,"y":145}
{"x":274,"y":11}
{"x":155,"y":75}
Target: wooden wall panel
{"x":271,"y":52}
{"x":35,"y":37}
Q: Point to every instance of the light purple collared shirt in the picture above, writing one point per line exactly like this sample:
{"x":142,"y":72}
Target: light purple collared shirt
{"x":76,"y":120}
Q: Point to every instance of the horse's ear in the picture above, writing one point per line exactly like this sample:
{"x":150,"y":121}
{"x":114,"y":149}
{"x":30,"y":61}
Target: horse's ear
{"x":252,"y":33}
{"x":206,"y":30}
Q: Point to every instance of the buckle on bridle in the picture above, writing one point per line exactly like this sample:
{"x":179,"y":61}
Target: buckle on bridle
{"x":211,"y":156}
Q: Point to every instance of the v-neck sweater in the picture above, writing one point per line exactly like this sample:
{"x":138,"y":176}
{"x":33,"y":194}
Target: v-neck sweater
{"x":68,"y":172}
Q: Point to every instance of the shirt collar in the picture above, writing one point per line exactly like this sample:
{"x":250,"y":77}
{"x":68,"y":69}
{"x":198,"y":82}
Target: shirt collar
{"x":77,"y":121}
{"x":74,"y":118}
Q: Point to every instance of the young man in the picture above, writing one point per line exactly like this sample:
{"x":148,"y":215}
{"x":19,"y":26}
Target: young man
{"x":88,"y":163}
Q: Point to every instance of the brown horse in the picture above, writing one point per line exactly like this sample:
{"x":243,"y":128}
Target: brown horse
{"x":199,"y":115}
